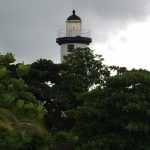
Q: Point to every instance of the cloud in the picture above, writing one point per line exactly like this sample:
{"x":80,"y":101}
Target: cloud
{"x":107,"y":17}
{"x":28,"y":28}
{"x":115,"y":9}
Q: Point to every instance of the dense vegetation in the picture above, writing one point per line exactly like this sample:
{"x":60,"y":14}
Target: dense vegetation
{"x":76,"y":105}
{"x":21,"y":114}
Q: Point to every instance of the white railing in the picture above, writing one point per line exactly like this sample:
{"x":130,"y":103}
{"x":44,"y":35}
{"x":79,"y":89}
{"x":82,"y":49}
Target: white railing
{"x":63,"y":33}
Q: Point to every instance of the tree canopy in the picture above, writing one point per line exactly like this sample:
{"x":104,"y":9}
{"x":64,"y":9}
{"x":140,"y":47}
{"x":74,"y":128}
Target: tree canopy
{"x":117,"y":115}
{"x":21,"y":113}
{"x":76,"y":105}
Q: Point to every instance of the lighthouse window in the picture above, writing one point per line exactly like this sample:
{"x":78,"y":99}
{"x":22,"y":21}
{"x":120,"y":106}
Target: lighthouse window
{"x":70,"y":47}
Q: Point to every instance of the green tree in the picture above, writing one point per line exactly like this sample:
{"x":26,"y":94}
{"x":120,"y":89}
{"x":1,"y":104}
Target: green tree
{"x":21,"y":114}
{"x":87,"y":67}
{"x":116,"y":116}
{"x":58,"y":85}
{"x":42,"y":77}
{"x":81,"y":71}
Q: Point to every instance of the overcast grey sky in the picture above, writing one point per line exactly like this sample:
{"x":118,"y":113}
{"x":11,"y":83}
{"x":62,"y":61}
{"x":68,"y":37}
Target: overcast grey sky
{"x":28,"y":28}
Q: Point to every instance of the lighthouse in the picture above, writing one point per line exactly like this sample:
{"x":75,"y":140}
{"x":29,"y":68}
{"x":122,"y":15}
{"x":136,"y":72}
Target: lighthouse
{"x":73,"y":36}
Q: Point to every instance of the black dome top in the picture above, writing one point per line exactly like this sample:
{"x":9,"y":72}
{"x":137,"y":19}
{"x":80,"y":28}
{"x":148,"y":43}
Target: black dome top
{"x":74,"y":16}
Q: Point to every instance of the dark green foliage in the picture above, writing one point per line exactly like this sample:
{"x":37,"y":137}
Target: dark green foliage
{"x":21,"y":113}
{"x":58,"y":86}
{"x":42,"y":77}
{"x":117,"y":115}
{"x":64,"y":141}
{"x":22,"y":140}
{"x":119,"y":70}
{"x":81,"y":70}
{"x":88,"y":68}
{"x":7,"y":59}
{"x":43,"y":71}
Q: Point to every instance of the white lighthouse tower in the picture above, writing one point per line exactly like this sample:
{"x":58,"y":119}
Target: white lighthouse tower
{"x":73,"y":36}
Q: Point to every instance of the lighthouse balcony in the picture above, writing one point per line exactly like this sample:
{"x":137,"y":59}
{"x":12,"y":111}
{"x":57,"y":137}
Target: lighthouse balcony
{"x":72,"y":33}
{"x":64,"y":37}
